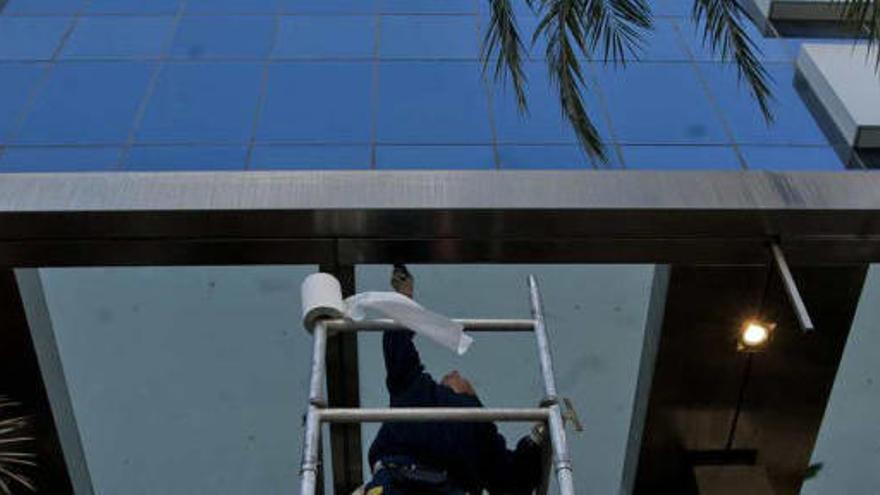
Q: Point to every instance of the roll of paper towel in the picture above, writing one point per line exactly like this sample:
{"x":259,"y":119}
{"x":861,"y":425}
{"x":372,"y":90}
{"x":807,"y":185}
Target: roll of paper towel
{"x":321,"y":298}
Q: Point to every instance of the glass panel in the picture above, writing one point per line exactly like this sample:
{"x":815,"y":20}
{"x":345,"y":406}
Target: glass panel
{"x":445,"y":157}
{"x":87,"y":103}
{"x":203,"y":102}
{"x":186,"y":158}
{"x":680,"y":157}
{"x":544,"y":123}
{"x":544,"y":157}
{"x":659,"y":103}
{"x":428,"y":6}
{"x":31,"y":38}
{"x":792,"y":157}
{"x":441,"y":102}
{"x":664,"y":43}
{"x":329,"y":6}
{"x":118,"y":37}
{"x":59,"y":159}
{"x":223,"y":37}
{"x":133,"y":6}
{"x":429,"y":37}
{"x":44,"y":6}
{"x":326,"y":37}
{"x":792,"y":124}
{"x":327,"y":102}
{"x":233,"y":6}
{"x":846,"y":448}
{"x":680,"y":8}
{"x":17,"y":82}
{"x":596,"y":317}
{"x":311,"y":157}
{"x":184,"y":380}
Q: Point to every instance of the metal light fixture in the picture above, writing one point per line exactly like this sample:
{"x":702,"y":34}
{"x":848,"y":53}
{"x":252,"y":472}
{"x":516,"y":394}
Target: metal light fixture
{"x":754,"y":336}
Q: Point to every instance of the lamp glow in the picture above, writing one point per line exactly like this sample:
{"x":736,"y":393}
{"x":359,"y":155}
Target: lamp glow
{"x":755,"y":334}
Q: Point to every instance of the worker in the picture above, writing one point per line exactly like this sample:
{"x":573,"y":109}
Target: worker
{"x":442,"y":457}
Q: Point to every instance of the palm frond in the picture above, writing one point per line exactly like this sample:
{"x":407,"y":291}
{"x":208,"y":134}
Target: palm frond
{"x":563,"y":27}
{"x":16,"y":452}
{"x":504,"y":44}
{"x":865,"y":14}
{"x":724,"y":33}
{"x":616,"y":27}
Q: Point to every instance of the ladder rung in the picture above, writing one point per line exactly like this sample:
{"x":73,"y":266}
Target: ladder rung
{"x":425,"y":414}
{"x":470,"y":325}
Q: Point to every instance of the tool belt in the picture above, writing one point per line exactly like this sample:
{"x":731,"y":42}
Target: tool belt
{"x":419,"y":479}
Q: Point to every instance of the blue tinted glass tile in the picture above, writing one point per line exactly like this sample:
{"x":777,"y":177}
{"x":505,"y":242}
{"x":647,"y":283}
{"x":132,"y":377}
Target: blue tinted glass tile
{"x":428,"y":6}
{"x":330,"y":6}
{"x":663,"y":43}
{"x":680,"y":158}
{"x":59,"y":159}
{"x":186,"y":157}
{"x":544,"y":122}
{"x":44,"y":6}
{"x":151,"y":7}
{"x":544,"y":157}
{"x":793,"y":123}
{"x":435,"y":157}
{"x":791,"y":158}
{"x":429,"y":37}
{"x":96,"y":37}
{"x":658,"y":104}
{"x":203,"y":102}
{"x":31,"y":38}
{"x":326,"y":36}
{"x":678,"y":8}
{"x":441,"y":102}
{"x":304,"y":157}
{"x":88,"y":102}
{"x":223,"y":37}
{"x":232,"y":6}
{"x":16,"y":83}
{"x":327,"y":102}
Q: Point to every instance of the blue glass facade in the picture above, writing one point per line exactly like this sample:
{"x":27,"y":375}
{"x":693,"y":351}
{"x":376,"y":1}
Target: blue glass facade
{"x":360,"y":84}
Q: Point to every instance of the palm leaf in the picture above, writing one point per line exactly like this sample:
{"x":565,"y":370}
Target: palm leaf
{"x":724,"y":33}
{"x":562,"y":26}
{"x":503,"y":43}
{"x":616,"y":27}
{"x":16,"y":453}
{"x":866,"y":16}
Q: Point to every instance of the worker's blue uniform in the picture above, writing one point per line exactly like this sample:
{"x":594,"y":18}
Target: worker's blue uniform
{"x":474,"y":455}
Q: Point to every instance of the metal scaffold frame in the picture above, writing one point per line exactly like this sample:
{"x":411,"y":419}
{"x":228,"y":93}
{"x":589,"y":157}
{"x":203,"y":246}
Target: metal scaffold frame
{"x":549,"y":412}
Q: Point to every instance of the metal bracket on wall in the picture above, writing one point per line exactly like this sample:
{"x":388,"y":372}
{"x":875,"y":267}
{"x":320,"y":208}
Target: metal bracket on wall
{"x":794,"y":295}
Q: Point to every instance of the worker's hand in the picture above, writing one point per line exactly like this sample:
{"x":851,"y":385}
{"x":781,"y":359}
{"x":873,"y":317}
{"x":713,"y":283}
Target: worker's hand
{"x":458,"y":384}
{"x":402,"y":281}
{"x":538,"y":435}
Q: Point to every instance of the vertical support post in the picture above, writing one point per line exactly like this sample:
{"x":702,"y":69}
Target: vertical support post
{"x":559,"y":443}
{"x":794,"y":295}
{"x":312,"y":436}
{"x":343,"y":390}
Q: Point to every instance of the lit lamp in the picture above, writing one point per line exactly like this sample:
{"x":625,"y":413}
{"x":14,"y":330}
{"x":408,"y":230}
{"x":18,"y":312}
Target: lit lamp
{"x":754,"y":336}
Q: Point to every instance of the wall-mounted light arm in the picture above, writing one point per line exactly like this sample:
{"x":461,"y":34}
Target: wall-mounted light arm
{"x":794,"y":295}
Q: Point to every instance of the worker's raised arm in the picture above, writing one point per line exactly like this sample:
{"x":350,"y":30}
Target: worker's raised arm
{"x":402,"y":361}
